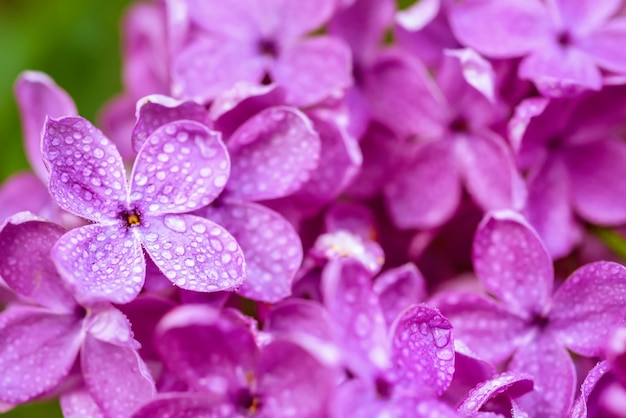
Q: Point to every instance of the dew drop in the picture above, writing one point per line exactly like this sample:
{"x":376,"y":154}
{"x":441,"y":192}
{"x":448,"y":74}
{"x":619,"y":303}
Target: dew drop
{"x":175,"y":223}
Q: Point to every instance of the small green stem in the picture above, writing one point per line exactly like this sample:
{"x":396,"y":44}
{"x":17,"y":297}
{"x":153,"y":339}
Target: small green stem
{"x":611,"y":238}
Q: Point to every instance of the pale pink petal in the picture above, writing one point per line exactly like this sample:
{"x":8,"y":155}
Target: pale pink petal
{"x":181,"y":167}
{"x":272,"y":154}
{"x":512,"y":262}
{"x":488,"y":329}
{"x":101,"y":263}
{"x":37,"y":350}
{"x":598,"y":172}
{"x":235,"y":20}
{"x":422,"y":352}
{"x":426,"y":192}
{"x":38,"y":97}
{"x":156,"y":110}
{"x":553,"y":374}
{"x":33,"y":277}
{"x":501,"y":29}
{"x":194,"y":253}
{"x":314,"y":69}
{"x":116,"y":377}
{"x":588,"y":306}
{"x":398,"y":288}
{"x":87,"y":175}
{"x":271,"y":247}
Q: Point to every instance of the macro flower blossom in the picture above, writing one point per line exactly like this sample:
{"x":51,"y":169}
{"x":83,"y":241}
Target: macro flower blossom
{"x":181,"y":167}
{"x":533,"y":326}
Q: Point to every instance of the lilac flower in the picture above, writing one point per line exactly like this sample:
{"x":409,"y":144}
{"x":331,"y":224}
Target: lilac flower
{"x":181,"y":167}
{"x":445,"y":138}
{"x":532,"y":325}
{"x":575,"y":155}
{"x":216,"y":355}
{"x":565,"y":44}
{"x":227,"y":42}
{"x":43,"y":333}
{"x":272,"y":154}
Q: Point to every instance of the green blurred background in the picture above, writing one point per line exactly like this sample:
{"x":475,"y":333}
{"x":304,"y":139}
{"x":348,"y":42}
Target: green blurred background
{"x":76,"y":42}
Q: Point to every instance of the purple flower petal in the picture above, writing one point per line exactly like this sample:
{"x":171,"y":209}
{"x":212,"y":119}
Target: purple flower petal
{"x":476,"y":71}
{"x":510,"y":259}
{"x":186,"y":333}
{"x":597,"y":171}
{"x":554,"y":376}
{"x":341,"y":159}
{"x":291,"y":379}
{"x":585,"y":15}
{"x":87,"y":176}
{"x":427,"y":192}
{"x":190,"y":405}
{"x":549,"y":210}
{"x":272,"y":154}
{"x":561,"y":72}
{"x":37,"y":350}
{"x":144,"y":313}
{"x":501,"y":30}
{"x":117,"y":119}
{"x":181,"y":167}
{"x":101,"y":262}
{"x":399,"y":288}
{"x":588,"y":306}
{"x":116,"y":377}
{"x":352,"y":303}
{"x":297,"y":17}
{"x":422,"y":350}
{"x":313,"y":69}
{"x":469,"y":371}
{"x":78,"y":403}
{"x":194,"y":253}
{"x":24,"y":192}
{"x":33,"y":277}
{"x":306,"y":323}
{"x":603,"y":45}
{"x":38,"y":96}
{"x":489,"y":171}
{"x":513,"y":384}
{"x":208,"y":67}
{"x":271,"y":247}
{"x":358,"y":399}
{"x":487,"y":328}
{"x":579,"y":409}
{"x":156,"y":110}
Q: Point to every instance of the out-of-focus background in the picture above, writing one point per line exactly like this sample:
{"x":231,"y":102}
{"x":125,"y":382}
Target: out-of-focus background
{"x":76,"y":42}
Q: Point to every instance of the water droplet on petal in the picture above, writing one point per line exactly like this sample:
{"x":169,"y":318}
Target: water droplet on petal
{"x":175,"y":223}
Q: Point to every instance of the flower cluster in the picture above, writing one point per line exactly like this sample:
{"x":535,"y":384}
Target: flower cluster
{"x":328,"y":208}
